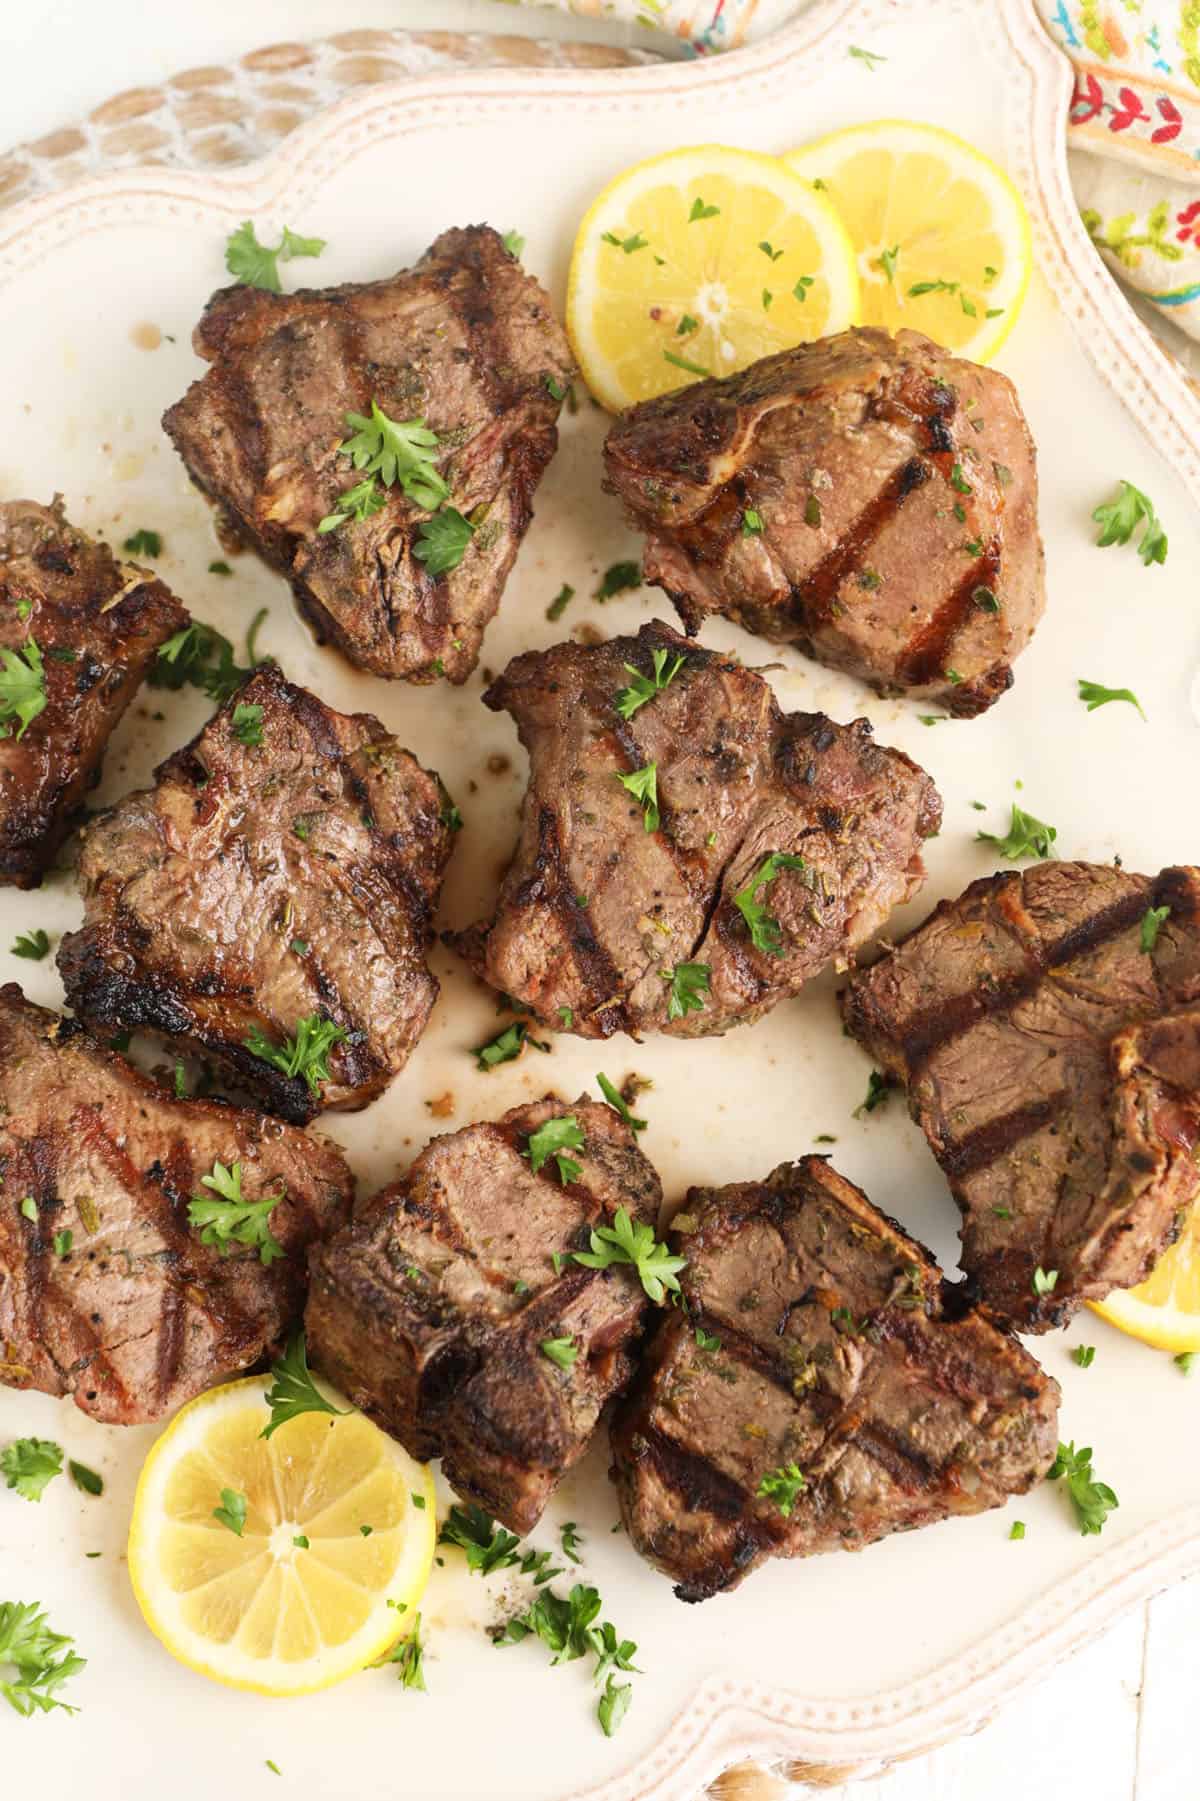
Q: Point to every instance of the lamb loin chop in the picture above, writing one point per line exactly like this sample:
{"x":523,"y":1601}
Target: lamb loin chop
{"x":870,"y":499}
{"x":451,"y":1312}
{"x":463,"y":346}
{"x":1047,"y":1024}
{"x":107,"y":1292}
{"x":268,"y":902}
{"x":77,"y":633}
{"x":822,"y":1389}
{"x":689,"y":854}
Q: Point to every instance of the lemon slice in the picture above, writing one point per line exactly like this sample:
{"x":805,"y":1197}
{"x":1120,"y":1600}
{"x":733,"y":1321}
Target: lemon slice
{"x":940,"y":233}
{"x":698,"y":263}
{"x":1164,"y":1310}
{"x":264,"y":1610}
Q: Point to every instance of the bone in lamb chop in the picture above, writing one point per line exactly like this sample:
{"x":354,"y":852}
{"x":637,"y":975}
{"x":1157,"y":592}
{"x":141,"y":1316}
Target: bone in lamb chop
{"x":869,"y":499}
{"x":1047,"y":1024}
{"x":268,"y":903}
{"x":822,"y":1389}
{"x":452,"y":1313}
{"x":689,"y":855}
{"x":108,"y":1292}
{"x":463,"y":346}
{"x":78,"y":631}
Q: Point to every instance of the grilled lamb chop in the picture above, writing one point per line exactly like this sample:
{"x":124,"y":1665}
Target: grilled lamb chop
{"x":285,"y":868}
{"x":1054,"y":1065}
{"x":596,"y":912}
{"x":467,"y":341}
{"x":77,"y":630}
{"x":107,"y":1293}
{"x":432,"y":1309}
{"x":897,"y":492}
{"x":823,"y":1389}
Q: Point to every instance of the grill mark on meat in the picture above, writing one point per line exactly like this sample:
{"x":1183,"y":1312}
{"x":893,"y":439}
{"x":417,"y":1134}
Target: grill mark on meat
{"x":902,"y":1462}
{"x":925,"y":656}
{"x":965,"y":1156}
{"x":814,"y":595}
{"x":592,"y":962}
{"x":928,"y":1032}
{"x":697,"y":1481}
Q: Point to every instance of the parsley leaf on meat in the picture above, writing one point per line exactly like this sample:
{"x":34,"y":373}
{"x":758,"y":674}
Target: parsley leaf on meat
{"x":358,"y":503}
{"x":618,"y":1103}
{"x":1093,"y":1501}
{"x":442,"y":541}
{"x":230,"y":1219}
{"x":1153,"y":920}
{"x":1095,"y":694}
{"x":1027,"y":837}
{"x":765,"y":932}
{"x":293,"y":1391}
{"x":689,"y":984}
{"x":33,"y":945}
{"x":397,"y":450}
{"x":1120,"y":518}
{"x":514,"y":243}
{"x":1045,"y":1281}
{"x":22,"y":685}
{"x":630,"y":1241}
{"x":642,"y":784}
{"x":562,"y":1351}
{"x":644,"y":687}
{"x":306,"y":1054}
{"x":40,"y":1660}
{"x":29,"y":1464}
{"x":557,"y":1135}
{"x":783,"y":1486}
{"x":256,"y":265}
{"x":247,"y":724}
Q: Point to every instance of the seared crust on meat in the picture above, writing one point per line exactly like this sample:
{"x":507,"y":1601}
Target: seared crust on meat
{"x":897,"y":490}
{"x":137,"y":1315}
{"x":818,"y":1339}
{"x":430,"y":1310}
{"x":595,"y":911}
{"x":1054,"y":1066}
{"x":258,"y":884}
{"x":97,"y":624}
{"x":466,"y":340}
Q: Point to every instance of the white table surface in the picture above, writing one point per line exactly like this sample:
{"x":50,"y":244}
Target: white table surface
{"x":1115,"y":1724}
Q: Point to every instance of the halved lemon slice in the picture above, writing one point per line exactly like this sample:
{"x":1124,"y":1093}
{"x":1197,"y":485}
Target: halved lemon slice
{"x":334,"y":1552}
{"x":698,"y":263}
{"x":1164,"y":1310}
{"x":940,"y":233}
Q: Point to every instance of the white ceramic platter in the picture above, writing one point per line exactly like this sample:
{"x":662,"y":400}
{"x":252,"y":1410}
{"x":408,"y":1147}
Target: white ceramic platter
{"x":853,"y":1660}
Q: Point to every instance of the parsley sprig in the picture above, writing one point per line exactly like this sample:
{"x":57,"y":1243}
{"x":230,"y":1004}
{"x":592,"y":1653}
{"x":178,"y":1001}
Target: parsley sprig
{"x":784,"y":1486}
{"x":644,"y":687}
{"x":632,"y":1241}
{"x":442,"y":541}
{"x":1026,"y":837}
{"x":225,"y":1217}
{"x":29,"y":1464}
{"x":642,"y":784}
{"x":34,"y":945}
{"x":293,"y":1391}
{"x":1093,"y":1501}
{"x":41,"y":1660}
{"x":408,"y":1655}
{"x":689,"y":983}
{"x":22,"y":685}
{"x":766,"y":933}
{"x":256,"y":265}
{"x":554,"y":1139}
{"x":619,"y":1104}
{"x":489,"y":1547}
{"x":1118,"y":520}
{"x":1095,"y":694}
{"x":201,"y":657}
{"x":567,"y":1625}
{"x":305,"y":1054}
